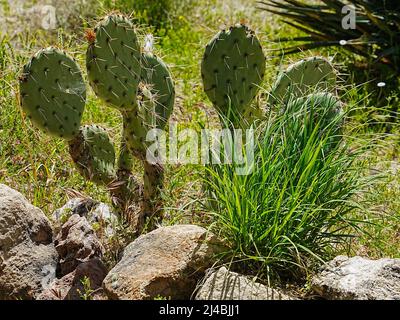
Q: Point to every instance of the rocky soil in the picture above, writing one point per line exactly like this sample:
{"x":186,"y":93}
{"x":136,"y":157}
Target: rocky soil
{"x":175,"y":262}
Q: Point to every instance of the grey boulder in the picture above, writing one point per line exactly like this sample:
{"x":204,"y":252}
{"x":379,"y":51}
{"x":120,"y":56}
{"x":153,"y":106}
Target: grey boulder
{"x":28,"y":258}
{"x":359,"y":278}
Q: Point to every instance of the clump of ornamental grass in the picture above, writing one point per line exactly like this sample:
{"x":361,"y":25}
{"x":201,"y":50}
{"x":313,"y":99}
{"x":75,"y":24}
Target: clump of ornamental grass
{"x":295,"y":207}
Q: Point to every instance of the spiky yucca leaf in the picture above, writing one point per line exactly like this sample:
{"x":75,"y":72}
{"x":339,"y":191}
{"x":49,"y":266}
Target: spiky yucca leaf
{"x":376,"y":36}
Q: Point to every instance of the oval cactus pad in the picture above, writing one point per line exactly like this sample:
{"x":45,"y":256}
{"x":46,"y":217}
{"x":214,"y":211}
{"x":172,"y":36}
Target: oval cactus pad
{"x":113,"y":62}
{"x":53,"y":92}
{"x":304,"y":77}
{"x":94,"y":154}
{"x":233,"y":68}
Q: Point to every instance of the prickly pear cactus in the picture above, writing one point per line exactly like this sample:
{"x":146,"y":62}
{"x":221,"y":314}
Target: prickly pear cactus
{"x":113,"y":62}
{"x":94,"y":154}
{"x":155,"y":74}
{"x":53,"y":93}
{"x":302,"y":78}
{"x":232,"y":69}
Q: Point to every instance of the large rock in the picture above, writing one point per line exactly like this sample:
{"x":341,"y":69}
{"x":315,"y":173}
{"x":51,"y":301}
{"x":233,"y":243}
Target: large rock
{"x":76,"y":243}
{"x":166,"y":262}
{"x":71,"y":286}
{"x":359,"y":278}
{"x":28,"y":258}
{"x":222,"y":284}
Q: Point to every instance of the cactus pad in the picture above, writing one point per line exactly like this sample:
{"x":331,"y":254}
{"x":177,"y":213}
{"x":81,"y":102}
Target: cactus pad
{"x":303,"y":77}
{"x":233,"y":68}
{"x":156,"y":75}
{"x":94,"y":154}
{"x":113,"y":62}
{"x":53,"y":93}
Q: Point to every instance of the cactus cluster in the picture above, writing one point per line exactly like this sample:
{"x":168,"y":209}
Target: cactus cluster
{"x":233,"y":69}
{"x":137,"y":83}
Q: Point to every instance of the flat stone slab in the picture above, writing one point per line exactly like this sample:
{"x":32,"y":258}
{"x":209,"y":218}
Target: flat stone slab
{"x":222,"y":284}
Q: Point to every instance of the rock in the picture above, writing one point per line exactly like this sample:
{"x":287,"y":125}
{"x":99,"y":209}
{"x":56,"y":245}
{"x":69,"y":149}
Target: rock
{"x":28,"y":258}
{"x":359,"y":278}
{"x":76,"y":243}
{"x":222,"y":284}
{"x":166,"y":262}
{"x":70,"y":287}
{"x":93,"y":211}
{"x":80,"y":206}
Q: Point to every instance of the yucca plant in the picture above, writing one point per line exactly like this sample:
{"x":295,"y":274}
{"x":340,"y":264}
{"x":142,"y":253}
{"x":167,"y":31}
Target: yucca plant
{"x":377,"y":27}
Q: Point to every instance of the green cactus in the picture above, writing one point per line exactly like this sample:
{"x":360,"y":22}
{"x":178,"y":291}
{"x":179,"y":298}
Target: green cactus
{"x":53,"y":93}
{"x":233,"y":68}
{"x":94,"y":154}
{"x":302,"y":78}
{"x":113,"y":62}
{"x":140,"y":86}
